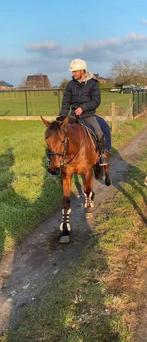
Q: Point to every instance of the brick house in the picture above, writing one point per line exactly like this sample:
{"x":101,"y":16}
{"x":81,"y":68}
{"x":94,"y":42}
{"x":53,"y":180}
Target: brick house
{"x":37,"y":82}
{"x":5,"y":86}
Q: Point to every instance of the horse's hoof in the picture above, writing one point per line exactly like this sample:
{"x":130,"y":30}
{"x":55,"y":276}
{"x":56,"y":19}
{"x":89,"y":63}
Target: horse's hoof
{"x":107,"y":181}
{"x":89,"y":210}
{"x":64,"y":239}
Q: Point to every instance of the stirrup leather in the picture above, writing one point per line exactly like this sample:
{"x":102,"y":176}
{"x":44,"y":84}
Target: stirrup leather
{"x":103,"y":160}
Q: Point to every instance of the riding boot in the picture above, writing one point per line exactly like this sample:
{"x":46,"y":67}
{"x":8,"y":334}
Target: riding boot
{"x":107,"y":154}
{"x":103,"y":155}
{"x":100,"y":138}
{"x":100,"y":141}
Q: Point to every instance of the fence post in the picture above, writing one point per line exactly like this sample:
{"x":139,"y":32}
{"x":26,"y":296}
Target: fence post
{"x":113,"y":117}
{"x":138,"y":109}
{"x":130,"y":113}
{"x":145,"y":98}
{"x":26,"y":99}
{"x":59,"y":100}
{"x":133,"y":95}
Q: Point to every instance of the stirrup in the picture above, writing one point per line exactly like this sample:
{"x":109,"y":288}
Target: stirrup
{"x":103,"y":161}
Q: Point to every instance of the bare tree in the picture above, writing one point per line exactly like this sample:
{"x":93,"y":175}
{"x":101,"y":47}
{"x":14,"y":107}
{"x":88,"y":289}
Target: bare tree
{"x":121,"y":72}
{"x":130,"y":73}
{"x":63,"y":83}
{"x":22,"y":82}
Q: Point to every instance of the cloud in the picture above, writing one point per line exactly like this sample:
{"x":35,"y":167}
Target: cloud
{"x":143,"y":21}
{"x":18,"y":63}
{"x":52,"y":59}
{"x":42,"y":47}
{"x":101,"y":50}
{"x":14,"y":70}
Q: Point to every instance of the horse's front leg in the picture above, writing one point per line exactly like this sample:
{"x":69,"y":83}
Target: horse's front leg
{"x":88,"y":186}
{"x":65,"y":226}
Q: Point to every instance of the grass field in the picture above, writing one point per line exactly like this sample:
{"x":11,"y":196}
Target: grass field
{"x":48,"y":102}
{"x":28,"y":194}
{"x":121,"y":102}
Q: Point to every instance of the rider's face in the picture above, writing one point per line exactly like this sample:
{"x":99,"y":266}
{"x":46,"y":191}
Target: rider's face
{"x":78,"y":74}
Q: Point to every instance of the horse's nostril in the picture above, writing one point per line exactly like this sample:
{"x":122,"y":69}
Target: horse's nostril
{"x":57,"y":171}
{"x":54,"y":172}
{"x":49,"y":171}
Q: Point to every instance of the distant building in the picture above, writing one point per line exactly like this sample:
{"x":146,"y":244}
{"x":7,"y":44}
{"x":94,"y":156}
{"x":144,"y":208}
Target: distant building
{"x":102,"y":80}
{"x":37,"y":82}
{"x":5,"y":85}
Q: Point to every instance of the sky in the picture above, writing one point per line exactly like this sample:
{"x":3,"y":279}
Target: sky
{"x":43,"y":36}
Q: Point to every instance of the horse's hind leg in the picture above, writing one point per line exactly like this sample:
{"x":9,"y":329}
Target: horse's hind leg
{"x":65,"y":227}
{"x":88,"y":192}
{"x":107,"y":175}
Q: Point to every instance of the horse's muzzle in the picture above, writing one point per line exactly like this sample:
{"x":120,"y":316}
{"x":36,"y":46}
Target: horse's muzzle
{"x":54,"y":172}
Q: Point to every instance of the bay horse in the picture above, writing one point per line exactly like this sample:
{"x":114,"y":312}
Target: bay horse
{"x":71,"y":150}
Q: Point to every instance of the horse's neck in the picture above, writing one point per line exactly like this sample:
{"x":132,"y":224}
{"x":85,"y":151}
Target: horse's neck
{"x":75,"y":133}
{"x":78,"y":140}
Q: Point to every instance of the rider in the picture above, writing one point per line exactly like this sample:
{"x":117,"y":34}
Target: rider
{"x":82,"y":97}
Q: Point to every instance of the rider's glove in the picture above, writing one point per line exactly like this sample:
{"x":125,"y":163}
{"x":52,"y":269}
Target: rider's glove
{"x":60,"y":118}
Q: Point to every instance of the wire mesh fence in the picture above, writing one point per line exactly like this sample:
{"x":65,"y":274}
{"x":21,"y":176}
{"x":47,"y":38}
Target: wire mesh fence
{"x":30,"y":102}
{"x":38,"y":102}
{"x":139,"y":102}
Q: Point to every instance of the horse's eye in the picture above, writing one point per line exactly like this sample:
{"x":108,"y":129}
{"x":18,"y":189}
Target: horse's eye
{"x":47,"y":153}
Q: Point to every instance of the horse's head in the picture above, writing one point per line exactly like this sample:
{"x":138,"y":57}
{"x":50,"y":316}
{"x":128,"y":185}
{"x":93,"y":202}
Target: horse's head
{"x":56,"y":145}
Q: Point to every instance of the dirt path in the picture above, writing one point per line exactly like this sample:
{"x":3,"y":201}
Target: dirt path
{"x":26,"y":272}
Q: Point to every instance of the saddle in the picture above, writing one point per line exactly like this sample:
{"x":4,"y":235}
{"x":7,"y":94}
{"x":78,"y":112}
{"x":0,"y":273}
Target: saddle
{"x":90,"y":131}
{"x":106,"y":132}
{"x":103,"y":124}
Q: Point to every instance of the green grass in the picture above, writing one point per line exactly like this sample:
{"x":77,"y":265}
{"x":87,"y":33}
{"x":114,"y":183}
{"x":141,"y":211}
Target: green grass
{"x":126,"y":131}
{"x":27,"y":192}
{"x":47,"y":103}
{"x":14,"y":103}
{"x":121,"y":102}
{"x":97,"y":300}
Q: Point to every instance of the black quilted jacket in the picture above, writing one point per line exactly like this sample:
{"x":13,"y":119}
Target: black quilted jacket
{"x":85,"y":95}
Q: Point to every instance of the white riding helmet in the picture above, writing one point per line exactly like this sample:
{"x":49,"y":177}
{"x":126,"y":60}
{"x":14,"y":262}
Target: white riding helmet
{"x":78,"y":64}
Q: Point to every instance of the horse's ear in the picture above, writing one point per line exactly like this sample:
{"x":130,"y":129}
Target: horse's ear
{"x":65,"y":122}
{"x":46,"y":122}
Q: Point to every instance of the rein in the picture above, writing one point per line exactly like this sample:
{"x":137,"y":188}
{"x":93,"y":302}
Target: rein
{"x":74,"y":156}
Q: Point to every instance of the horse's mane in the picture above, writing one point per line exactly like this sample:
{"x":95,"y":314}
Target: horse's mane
{"x":54,"y":126}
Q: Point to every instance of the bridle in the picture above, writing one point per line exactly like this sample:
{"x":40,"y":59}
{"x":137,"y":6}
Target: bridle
{"x":64,"y":161}
{"x":51,"y":154}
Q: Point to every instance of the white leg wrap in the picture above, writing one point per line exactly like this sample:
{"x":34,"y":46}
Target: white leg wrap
{"x":65,"y":219}
{"x":88,"y":201}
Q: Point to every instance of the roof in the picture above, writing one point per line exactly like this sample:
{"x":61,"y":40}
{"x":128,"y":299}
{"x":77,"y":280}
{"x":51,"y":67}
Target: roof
{"x":5,"y":84}
{"x":38,"y":81}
